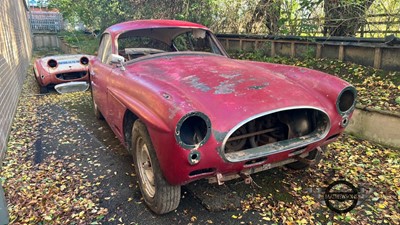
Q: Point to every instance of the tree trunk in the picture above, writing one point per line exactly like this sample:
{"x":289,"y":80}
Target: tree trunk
{"x":344,"y":18}
{"x":269,"y":12}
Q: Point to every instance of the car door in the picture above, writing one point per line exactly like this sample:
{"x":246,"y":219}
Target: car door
{"x":99,"y":74}
{"x":118,"y":87}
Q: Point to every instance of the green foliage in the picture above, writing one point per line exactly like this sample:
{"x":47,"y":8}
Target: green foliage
{"x":95,"y":14}
{"x":277,"y":17}
{"x":86,"y":43}
{"x":398,"y":100}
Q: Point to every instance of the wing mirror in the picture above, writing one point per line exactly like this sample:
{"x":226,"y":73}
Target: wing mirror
{"x":118,"y":60}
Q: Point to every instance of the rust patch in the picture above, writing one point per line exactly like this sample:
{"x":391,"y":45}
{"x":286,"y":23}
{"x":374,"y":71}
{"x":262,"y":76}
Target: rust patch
{"x":194,"y":82}
{"x":166,"y":96}
{"x":258,"y":87}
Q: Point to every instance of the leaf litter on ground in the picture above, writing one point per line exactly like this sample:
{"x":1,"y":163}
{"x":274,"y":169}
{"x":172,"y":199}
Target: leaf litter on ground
{"x":54,"y":190}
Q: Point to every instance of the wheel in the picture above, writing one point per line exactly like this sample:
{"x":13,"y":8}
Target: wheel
{"x":44,"y":90}
{"x":96,"y":110}
{"x":159,"y":195}
{"x":312,"y":155}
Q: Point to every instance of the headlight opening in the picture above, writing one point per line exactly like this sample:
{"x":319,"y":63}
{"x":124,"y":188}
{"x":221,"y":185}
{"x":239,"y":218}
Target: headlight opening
{"x":52,"y":63}
{"x":84,"y":60}
{"x":193,"y":130}
{"x":346,"y":100}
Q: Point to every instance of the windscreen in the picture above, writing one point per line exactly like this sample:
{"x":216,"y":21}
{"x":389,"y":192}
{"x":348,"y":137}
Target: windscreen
{"x":138,"y":43}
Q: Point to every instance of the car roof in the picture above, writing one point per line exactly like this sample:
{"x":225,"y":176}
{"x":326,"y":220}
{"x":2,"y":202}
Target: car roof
{"x":146,"y":24}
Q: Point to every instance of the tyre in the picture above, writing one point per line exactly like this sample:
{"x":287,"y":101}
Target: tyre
{"x":312,"y":155}
{"x":159,"y":195}
{"x":44,"y":90}
{"x":96,"y":110}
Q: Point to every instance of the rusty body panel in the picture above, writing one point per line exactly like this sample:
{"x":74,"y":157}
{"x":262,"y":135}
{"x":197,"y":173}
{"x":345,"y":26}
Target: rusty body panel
{"x":65,"y":68}
{"x":228,"y":100}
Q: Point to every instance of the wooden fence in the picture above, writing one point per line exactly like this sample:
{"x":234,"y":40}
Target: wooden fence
{"x":372,"y":52}
{"x":374,"y":25}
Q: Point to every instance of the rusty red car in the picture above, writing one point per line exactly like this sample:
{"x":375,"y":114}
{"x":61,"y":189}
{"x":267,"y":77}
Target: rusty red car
{"x":58,"y":69}
{"x":186,"y":111}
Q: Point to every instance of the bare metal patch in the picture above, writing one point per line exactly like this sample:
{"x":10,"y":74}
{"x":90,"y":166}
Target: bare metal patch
{"x":229,"y":76}
{"x":194,"y":82}
{"x":219,"y":136}
{"x":173,"y":112}
{"x":227,"y":87}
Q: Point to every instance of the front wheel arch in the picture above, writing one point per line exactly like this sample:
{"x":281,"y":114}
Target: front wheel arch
{"x":129,"y":119}
{"x":160,"y":196}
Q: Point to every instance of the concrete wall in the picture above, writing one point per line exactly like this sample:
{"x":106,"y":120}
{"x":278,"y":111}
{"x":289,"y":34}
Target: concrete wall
{"x":15,"y":55}
{"x":378,"y":126}
{"x":41,"y":41}
{"x":52,"y":41}
{"x":67,"y":48}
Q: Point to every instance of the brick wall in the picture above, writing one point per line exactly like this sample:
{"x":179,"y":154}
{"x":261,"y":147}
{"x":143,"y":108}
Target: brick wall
{"x":15,"y":54}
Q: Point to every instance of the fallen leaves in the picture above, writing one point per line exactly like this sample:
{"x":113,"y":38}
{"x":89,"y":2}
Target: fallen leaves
{"x":362,"y":163}
{"x":44,"y":189}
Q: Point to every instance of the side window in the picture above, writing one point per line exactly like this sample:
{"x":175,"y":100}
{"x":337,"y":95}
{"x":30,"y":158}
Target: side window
{"x":101,"y":46}
{"x":105,"y":49}
{"x":196,"y":40}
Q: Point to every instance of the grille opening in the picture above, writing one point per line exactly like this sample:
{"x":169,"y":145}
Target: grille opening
{"x":71,"y":75}
{"x":256,"y":161}
{"x":201,"y":171}
{"x":346,"y":100}
{"x":193,"y":130}
{"x":276,"y":130}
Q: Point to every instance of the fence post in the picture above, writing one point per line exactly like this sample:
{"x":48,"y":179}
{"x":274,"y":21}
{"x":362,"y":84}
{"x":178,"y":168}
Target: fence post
{"x":273,"y":50}
{"x":292,"y":49}
{"x":378,"y":58}
{"x":319,"y":51}
{"x":341,"y":52}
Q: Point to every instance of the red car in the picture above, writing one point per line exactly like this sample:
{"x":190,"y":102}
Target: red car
{"x":58,"y":69}
{"x":187,"y":111}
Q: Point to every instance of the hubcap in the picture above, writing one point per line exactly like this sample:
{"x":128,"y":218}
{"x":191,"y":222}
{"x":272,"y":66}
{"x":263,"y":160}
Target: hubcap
{"x":146,"y":173}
